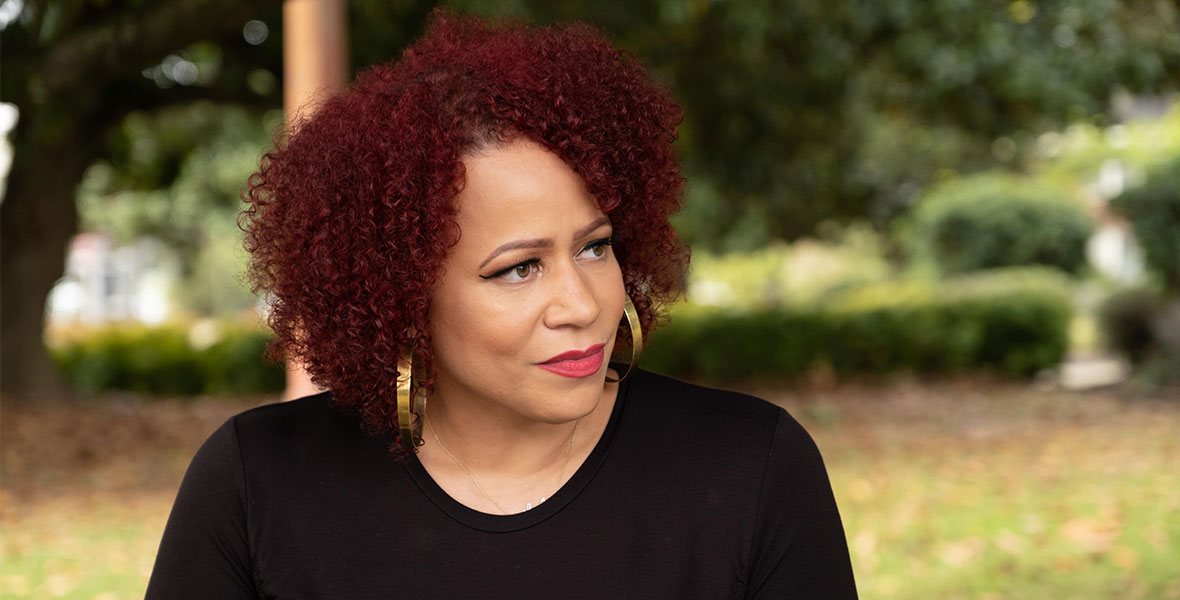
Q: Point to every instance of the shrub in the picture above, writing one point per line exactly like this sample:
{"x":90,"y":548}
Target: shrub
{"x":1023,"y":313}
{"x":1144,"y":324}
{"x":805,"y":270}
{"x":1012,"y":320}
{"x":132,"y":357}
{"x":1015,"y":321}
{"x":717,"y":344}
{"x":161,"y":360}
{"x":1126,"y":320}
{"x":1154,"y":211}
{"x":892,"y":327}
{"x":235,"y":364}
{"x":993,"y":220}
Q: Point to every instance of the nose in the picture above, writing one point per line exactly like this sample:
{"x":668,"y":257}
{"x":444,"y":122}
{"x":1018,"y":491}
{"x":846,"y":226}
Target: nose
{"x":573,"y":302}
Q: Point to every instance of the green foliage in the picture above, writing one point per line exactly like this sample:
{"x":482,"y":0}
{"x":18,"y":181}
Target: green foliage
{"x":164,"y":361}
{"x":1125,"y":318}
{"x":1083,"y":149}
{"x":235,"y":364}
{"x":1015,"y":321}
{"x":892,"y":326}
{"x":1154,"y":210}
{"x":995,"y":220}
{"x":1144,"y":324}
{"x":796,"y":110}
{"x":172,"y":173}
{"x":718,"y":344}
{"x":802,"y":272}
{"x":1023,"y":317}
{"x":177,"y":176}
{"x":132,"y":357}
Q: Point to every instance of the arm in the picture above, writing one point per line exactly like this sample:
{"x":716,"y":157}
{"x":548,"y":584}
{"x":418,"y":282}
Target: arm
{"x":799,"y":545}
{"x":205,"y":552}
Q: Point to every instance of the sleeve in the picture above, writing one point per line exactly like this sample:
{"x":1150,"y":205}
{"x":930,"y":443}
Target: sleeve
{"x":799,"y":546}
{"x":204,"y":552}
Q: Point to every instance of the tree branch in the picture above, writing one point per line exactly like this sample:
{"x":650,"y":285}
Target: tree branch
{"x":125,"y":42}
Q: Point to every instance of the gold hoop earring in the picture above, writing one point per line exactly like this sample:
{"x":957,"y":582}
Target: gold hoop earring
{"x":409,"y":408}
{"x":636,"y":338}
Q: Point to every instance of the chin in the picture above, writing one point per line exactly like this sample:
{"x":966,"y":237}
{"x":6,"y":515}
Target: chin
{"x":575,"y":399}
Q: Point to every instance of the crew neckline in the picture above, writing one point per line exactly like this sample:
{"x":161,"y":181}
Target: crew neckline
{"x":493,"y":523}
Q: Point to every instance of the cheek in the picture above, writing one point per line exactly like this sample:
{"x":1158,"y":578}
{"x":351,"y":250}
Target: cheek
{"x":611,"y":291}
{"x":471,"y":328}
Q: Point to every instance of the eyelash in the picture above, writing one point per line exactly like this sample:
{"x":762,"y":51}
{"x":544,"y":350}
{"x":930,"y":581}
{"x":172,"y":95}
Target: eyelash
{"x":600,"y":243}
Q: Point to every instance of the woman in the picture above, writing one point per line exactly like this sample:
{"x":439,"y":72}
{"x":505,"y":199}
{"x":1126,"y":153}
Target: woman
{"x":454,"y":247}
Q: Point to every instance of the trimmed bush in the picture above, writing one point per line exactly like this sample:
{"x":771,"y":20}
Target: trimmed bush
{"x":132,"y":357}
{"x":990,"y":221}
{"x":1015,"y":321}
{"x":1024,"y":314}
{"x":1144,"y":324}
{"x":1154,"y":211}
{"x":712,"y":343}
{"x":1126,"y":317}
{"x":235,"y":364}
{"x":161,"y":360}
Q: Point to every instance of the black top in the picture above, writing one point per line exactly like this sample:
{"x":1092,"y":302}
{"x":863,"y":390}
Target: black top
{"x":690,"y":493}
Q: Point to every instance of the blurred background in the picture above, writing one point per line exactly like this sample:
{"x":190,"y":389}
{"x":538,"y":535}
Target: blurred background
{"x":945,"y":234}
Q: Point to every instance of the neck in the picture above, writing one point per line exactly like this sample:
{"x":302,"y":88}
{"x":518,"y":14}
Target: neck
{"x":495,"y":442}
{"x":494,"y":460}
{"x":499,"y":451}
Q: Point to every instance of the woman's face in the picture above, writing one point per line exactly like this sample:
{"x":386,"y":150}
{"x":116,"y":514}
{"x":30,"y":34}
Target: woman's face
{"x":532,"y":278}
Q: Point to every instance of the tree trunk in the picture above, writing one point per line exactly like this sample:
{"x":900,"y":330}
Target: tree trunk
{"x":38,"y":217}
{"x":70,"y":88}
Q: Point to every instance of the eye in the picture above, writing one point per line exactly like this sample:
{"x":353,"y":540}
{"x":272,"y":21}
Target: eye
{"x":597,"y":248}
{"x":519,"y":272}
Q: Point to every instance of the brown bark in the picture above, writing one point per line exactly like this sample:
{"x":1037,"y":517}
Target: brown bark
{"x":38,"y":218}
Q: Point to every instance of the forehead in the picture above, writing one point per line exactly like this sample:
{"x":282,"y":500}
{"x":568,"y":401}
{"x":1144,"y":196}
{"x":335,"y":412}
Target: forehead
{"x":520,"y":190}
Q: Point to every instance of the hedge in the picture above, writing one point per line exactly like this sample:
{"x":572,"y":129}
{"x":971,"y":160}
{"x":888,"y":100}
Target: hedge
{"x":163,"y":360}
{"x":1014,"y":321}
{"x":993,"y":220}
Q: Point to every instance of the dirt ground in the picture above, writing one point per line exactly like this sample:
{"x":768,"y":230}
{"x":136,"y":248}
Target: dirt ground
{"x":117,"y":444}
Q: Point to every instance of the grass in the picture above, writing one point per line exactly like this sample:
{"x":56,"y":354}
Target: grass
{"x":1003,"y":491}
{"x":955,"y":489}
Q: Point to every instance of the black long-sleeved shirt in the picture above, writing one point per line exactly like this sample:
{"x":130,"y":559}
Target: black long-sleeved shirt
{"x":690,"y":493}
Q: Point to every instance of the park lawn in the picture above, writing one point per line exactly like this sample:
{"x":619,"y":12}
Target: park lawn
{"x":93,"y":549}
{"x":1009,"y":492}
{"x":954,"y":489}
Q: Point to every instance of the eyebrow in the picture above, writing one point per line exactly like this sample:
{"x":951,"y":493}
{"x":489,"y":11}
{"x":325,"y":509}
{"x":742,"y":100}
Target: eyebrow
{"x":542,"y":242}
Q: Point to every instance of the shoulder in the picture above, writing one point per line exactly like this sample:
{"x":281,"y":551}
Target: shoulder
{"x":755,"y":462}
{"x":708,"y":426}
{"x":290,"y":418}
{"x":722,"y":415}
{"x":297,"y":429}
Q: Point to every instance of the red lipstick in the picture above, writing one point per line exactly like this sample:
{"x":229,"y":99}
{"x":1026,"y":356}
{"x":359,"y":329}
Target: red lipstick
{"x":576,"y":363}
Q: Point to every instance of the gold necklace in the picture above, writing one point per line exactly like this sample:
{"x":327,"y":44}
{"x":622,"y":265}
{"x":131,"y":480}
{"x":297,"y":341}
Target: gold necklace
{"x":484,"y":493}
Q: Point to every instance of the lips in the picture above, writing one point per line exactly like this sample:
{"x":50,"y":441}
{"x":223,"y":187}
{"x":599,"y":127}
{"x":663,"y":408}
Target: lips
{"x":576,"y":364}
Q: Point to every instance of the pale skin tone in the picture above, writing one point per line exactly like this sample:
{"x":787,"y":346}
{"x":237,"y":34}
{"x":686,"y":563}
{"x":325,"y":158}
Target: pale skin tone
{"x":532,"y":276}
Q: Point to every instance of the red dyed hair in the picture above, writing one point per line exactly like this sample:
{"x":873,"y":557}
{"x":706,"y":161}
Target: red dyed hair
{"x":349,"y":220}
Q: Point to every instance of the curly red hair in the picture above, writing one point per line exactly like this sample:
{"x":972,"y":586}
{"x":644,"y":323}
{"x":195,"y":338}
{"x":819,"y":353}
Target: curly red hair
{"x":349,"y":219}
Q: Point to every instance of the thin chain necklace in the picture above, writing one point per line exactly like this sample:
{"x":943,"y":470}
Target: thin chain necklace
{"x":479,"y":488}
